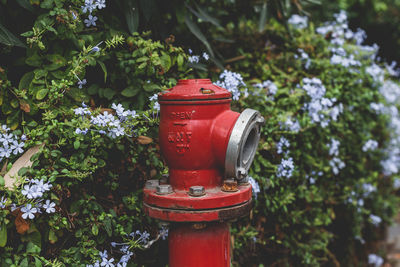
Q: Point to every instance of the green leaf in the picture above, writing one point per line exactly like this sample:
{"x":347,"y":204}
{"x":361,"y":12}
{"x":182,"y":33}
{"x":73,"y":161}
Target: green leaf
{"x":108,"y":93}
{"x":39,"y":73}
{"x":26,"y":80}
{"x":3,"y":235}
{"x":130,"y":92}
{"x":7,"y":38}
{"x":77,"y":144}
{"x":38,"y":263}
{"x":103,"y":67}
{"x":132,"y":16}
{"x":95,"y":229}
{"x":32,"y":248}
{"x":150,"y":87}
{"x":263,"y":17}
{"x":166,"y":61}
{"x":203,"y":15}
{"x":41,"y":93}
{"x":107,"y":226}
{"x":24,"y":263}
{"x":35,"y":60}
{"x":57,"y":61}
{"x":197,"y":32}
{"x":52,"y":237}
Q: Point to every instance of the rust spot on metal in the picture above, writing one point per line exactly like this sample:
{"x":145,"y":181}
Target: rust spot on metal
{"x":230,"y":185}
{"x":207,"y":91}
{"x":199,"y":226}
{"x":235,"y":212}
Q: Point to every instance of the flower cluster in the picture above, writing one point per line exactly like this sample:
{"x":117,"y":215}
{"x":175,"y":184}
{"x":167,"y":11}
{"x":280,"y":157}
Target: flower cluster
{"x":141,"y":239}
{"x":255,"y":186}
{"x":285,"y":168}
{"x":196,"y":58}
{"x":34,"y":190}
{"x":336,"y":163}
{"x":375,"y":220}
{"x":231,"y":81}
{"x":90,"y":6}
{"x":283,"y":146}
{"x":154,"y":100}
{"x":113,"y":126}
{"x":9,"y":143}
{"x":368,"y":189}
{"x":311,"y":178}
{"x":375,"y":260}
{"x":304,"y":58}
{"x":269,"y":86}
{"x":340,"y":33}
{"x":298,"y":21}
{"x":320,"y":107}
{"x":291,"y":125}
{"x":370,"y":145}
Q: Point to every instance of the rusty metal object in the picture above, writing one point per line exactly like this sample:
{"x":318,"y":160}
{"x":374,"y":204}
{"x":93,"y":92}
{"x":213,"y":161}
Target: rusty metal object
{"x":230,"y":185}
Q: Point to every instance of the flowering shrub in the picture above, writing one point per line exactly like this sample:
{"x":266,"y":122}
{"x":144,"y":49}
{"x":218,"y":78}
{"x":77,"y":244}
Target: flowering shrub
{"x":79,"y":136}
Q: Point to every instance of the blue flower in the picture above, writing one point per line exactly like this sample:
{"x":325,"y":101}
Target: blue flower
{"x":49,"y":206}
{"x":3,"y":201}
{"x":285,"y":169}
{"x":194,"y":59}
{"x":375,"y":260}
{"x":206,"y":56}
{"x":81,"y":83}
{"x":282,"y":145}
{"x":17,"y":147}
{"x":107,"y":262}
{"x":370,"y":145}
{"x":375,"y":220}
{"x":255,"y":186}
{"x":298,"y":22}
{"x":28,"y":211}
{"x":89,"y":6}
{"x":231,"y":81}
{"x":100,"y":4}
{"x":90,"y":21}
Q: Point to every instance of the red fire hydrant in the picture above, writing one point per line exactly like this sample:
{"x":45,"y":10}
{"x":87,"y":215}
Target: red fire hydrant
{"x":209,"y":149}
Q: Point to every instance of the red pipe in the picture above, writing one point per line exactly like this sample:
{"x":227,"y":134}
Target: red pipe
{"x":199,"y":245}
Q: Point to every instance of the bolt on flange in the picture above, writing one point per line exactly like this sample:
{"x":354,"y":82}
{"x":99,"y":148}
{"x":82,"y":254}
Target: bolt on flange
{"x":230,"y":185}
{"x":151,"y":184}
{"x":164,"y":189}
{"x":197,"y":191}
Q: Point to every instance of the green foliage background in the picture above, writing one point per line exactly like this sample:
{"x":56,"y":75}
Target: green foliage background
{"x":143,"y":45}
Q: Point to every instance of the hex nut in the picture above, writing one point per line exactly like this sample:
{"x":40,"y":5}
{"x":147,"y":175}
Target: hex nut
{"x":230,"y":185}
{"x":164,"y":189}
{"x":151,"y":184}
{"x":197,"y":191}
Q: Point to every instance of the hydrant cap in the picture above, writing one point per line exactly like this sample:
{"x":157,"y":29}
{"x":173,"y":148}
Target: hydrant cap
{"x":195,"y":89}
